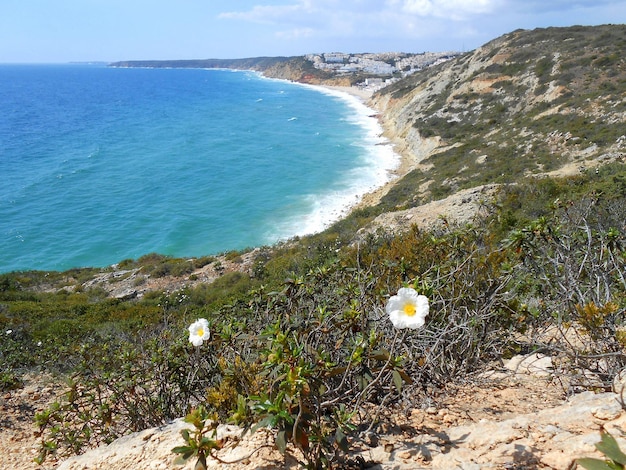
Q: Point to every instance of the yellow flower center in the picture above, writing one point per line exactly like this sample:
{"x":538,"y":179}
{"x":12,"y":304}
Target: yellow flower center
{"x":200,"y":332}
{"x":409,"y":310}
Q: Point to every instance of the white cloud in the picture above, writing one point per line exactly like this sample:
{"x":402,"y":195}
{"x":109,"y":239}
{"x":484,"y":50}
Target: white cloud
{"x":297,"y":11}
{"x":320,"y":13}
{"x":539,"y":6}
{"x":309,"y":18}
{"x":268,"y":13}
{"x":408,"y":24}
{"x":419,"y":7}
{"x":453,"y":9}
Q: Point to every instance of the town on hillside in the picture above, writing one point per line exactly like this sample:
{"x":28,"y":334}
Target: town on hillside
{"x":388,"y":67}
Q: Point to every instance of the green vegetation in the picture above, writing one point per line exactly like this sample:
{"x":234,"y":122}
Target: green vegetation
{"x":525,"y":103}
{"x":615,"y":458}
{"x":290,"y":68}
{"x":303,"y":345}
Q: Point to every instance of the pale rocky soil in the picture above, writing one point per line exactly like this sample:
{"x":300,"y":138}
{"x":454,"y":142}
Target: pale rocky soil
{"x":18,"y":443}
{"x":459,"y":208}
{"x":507,"y":419}
{"x":133,"y":283}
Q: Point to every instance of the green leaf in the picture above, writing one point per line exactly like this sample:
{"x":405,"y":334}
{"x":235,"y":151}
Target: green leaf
{"x":341,"y":440}
{"x":179,"y":461}
{"x":380,"y":355}
{"x":397,"y":380}
{"x":266,"y":422}
{"x":284,"y":414}
{"x":201,"y":463}
{"x":185,"y":433}
{"x":595,"y":464}
{"x":281,"y":441}
{"x":609,"y":447}
{"x":364,"y":379}
{"x":182,"y":449}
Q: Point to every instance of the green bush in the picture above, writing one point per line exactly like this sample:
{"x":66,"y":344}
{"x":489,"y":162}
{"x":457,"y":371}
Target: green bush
{"x":307,"y":348}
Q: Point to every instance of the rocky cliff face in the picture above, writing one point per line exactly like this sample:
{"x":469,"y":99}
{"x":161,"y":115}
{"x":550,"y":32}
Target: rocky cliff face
{"x":529,"y":102}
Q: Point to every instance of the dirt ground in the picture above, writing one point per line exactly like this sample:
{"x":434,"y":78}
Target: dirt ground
{"x":493,"y":399}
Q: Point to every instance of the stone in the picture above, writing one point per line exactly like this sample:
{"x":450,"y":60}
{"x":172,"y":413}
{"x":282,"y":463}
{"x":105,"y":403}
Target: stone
{"x":551,"y":437}
{"x":533,"y":364}
{"x":619,"y":383}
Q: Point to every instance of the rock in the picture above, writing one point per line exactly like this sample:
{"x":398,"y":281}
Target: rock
{"x":371,"y":439}
{"x":459,"y":208}
{"x":549,"y":439}
{"x":152,"y":449}
{"x":506,"y":444}
{"x":619,"y":384}
{"x":534,"y":364}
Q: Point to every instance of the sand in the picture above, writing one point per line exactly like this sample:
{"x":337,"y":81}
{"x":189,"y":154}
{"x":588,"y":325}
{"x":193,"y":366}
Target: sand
{"x":407,"y":161}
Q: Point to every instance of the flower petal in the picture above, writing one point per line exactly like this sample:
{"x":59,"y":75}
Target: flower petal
{"x":199,"y":332}
{"x":396,"y":308}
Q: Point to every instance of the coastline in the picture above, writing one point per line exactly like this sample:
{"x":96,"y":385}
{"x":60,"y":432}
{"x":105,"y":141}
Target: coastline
{"x":406,"y":162}
{"x":371,"y":179}
{"x":362,"y":93}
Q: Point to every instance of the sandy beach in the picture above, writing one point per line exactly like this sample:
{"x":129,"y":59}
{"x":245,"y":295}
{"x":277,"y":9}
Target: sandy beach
{"x":406,"y":163}
{"x":363,"y":94}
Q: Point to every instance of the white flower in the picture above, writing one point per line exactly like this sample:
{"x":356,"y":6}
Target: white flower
{"x":199,"y":332}
{"x":408,"y":309}
{"x":8,"y":332}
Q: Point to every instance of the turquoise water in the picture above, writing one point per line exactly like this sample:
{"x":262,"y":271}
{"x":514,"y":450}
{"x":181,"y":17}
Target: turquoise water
{"x":102,"y":164}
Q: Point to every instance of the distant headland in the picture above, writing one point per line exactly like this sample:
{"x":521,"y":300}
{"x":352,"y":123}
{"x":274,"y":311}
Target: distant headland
{"x":374,"y":70}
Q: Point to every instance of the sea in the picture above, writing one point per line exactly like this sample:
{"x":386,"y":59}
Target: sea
{"x":102,"y":164}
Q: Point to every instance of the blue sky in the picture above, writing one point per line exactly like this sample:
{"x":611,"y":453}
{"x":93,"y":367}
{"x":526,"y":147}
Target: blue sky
{"x":109,"y":30}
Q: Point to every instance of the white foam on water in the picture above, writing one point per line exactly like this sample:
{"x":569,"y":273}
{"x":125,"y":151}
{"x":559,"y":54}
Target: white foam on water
{"x":374,"y":169}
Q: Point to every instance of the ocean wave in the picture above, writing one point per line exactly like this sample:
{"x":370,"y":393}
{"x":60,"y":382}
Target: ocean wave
{"x":374,"y":168}
{"x":150,"y":166}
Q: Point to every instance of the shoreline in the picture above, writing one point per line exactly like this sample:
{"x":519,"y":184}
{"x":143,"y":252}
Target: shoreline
{"x":406,"y":162}
{"x":392,"y":167}
{"x":381,"y":161}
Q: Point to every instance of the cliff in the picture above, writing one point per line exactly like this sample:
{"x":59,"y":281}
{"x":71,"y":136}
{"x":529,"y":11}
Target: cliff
{"x":296,"y":69}
{"x":526,"y":103}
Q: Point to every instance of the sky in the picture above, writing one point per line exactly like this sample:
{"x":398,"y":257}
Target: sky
{"x":59,"y":31}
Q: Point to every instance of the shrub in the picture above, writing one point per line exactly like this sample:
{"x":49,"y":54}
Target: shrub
{"x":311,"y":352}
{"x":571,"y":270}
{"x":121,"y":387}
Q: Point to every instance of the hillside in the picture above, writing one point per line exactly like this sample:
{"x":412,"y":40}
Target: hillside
{"x":527,"y":103}
{"x":339,"y":69}
{"x":509,"y":218}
